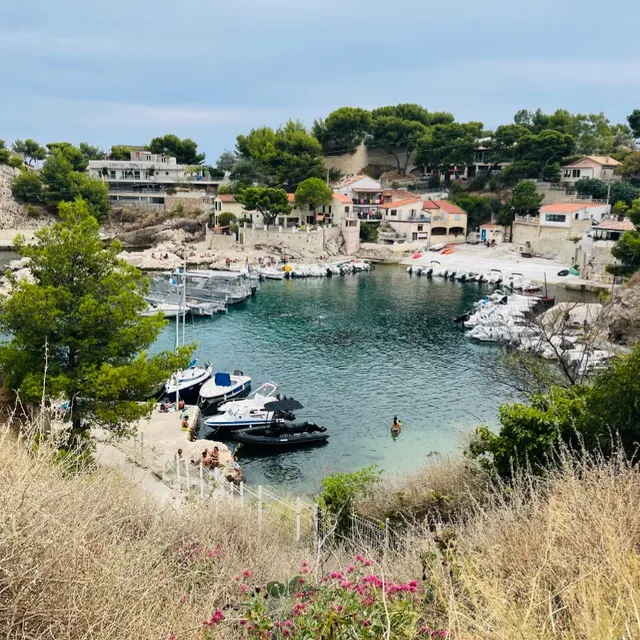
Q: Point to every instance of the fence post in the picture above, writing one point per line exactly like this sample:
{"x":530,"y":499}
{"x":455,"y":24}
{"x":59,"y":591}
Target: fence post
{"x":202,"y":482}
{"x":141,"y":448}
{"x":260,"y":507}
{"x":386,"y":535}
{"x":242,"y":494}
{"x":316,"y":525}
{"x":187,"y":475}
{"x":178,"y":478}
{"x":298,"y":519}
{"x":164,"y":471}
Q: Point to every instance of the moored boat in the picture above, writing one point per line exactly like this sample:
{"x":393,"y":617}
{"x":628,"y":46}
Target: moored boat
{"x":222,"y":388}
{"x":187,"y":383}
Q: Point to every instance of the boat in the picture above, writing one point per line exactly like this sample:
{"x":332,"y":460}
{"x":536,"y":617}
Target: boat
{"x":187,"y":383}
{"x":282,"y":433}
{"x":447,"y":251}
{"x":272,"y":274}
{"x":167,"y":309}
{"x":222,"y":388}
{"x":242,"y":414}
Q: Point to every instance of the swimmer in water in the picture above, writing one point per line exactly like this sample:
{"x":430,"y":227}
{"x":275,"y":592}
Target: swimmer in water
{"x":396,"y":425}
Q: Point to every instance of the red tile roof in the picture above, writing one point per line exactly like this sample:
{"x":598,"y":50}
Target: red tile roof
{"x":448,"y":207}
{"x":491,"y":225}
{"x":291,"y":197}
{"x":226,"y":197}
{"x":601,"y":160}
{"x":429,"y":204}
{"x":340,"y":197}
{"x":562,"y":208}
{"x":399,"y":203}
{"x":616,"y":225}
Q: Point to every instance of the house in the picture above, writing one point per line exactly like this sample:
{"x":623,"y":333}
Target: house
{"x":490,"y":231}
{"x":340,"y":208}
{"x":597,"y":167}
{"x":433,"y":220}
{"x":148,"y":178}
{"x":365,"y":195}
{"x":566,"y":214}
{"x":611,"y":230}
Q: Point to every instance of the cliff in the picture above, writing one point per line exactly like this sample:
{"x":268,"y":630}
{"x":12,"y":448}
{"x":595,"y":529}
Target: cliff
{"x":14,"y":215}
{"x":624,"y":311}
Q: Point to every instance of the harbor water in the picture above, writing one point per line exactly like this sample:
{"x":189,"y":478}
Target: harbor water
{"x":357,"y":351}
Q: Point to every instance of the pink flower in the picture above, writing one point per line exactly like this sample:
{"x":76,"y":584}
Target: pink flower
{"x":246,"y":573}
{"x":237,"y":578}
{"x":285,"y":632}
{"x":340,"y":607}
{"x":304,"y":563}
{"x":288,"y":623}
{"x":172,"y":636}
{"x":216,"y":616}
{"x":300,"y":580}
{"x":243,"y":622}
{"x":350,"y":569}
{"x":367,"y":563}
{"x":413,"y":583}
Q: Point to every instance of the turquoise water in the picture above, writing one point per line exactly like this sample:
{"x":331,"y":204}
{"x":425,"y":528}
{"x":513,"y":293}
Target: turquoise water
{"x":355,"y":351}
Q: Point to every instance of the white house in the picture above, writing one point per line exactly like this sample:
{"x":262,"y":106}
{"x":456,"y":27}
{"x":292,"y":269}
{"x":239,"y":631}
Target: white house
{"x":566,"y":214}
{"x":596,"y":167}
{"x":146,"y":177}
{"x":364,"y":193}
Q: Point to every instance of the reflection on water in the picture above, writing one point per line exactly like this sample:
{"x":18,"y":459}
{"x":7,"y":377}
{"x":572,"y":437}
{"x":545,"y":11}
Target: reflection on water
{"x":357,"y":351}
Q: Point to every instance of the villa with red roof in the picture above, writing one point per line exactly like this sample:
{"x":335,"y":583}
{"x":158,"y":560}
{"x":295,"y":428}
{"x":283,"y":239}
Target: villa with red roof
{"x":596,"y":167}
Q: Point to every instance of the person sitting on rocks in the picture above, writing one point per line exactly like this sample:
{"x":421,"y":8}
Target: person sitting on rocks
{"x":215,"y":457}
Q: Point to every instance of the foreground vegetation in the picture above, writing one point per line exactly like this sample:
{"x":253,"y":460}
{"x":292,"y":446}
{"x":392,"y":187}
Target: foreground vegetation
{"x":85,"y":555}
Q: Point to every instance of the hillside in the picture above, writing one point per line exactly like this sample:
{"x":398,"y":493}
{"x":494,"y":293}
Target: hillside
{"x":14,"y":215}
{"x":87,"y":556}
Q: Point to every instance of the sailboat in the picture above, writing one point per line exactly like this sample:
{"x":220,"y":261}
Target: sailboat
{"x":186,"y":384}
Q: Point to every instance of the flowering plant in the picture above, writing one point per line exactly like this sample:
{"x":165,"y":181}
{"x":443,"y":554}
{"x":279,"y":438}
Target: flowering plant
{"x":345,"y":605}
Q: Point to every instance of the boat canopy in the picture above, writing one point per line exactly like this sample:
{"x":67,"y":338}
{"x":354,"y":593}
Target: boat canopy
{"x":288,"y":404}
{"x":222,"y":379}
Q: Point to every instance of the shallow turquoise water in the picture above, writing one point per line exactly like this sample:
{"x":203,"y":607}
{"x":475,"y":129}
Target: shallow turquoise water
{"x":356,"y":351}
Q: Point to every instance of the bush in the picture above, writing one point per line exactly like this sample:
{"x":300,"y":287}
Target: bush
{"x":15,"y":162}
{"x":32,"y":212}
{"x":171,"y":191}
{"x":369,"y":232}
{"x":27,"y":187}
{"x":225,"y":218}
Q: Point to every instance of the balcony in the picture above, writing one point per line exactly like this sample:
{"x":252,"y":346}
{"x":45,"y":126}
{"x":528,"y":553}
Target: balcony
{"x":366,"y":202}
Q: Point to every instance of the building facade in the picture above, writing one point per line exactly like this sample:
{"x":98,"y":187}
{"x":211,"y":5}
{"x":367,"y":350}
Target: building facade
{"x":591,"y":167}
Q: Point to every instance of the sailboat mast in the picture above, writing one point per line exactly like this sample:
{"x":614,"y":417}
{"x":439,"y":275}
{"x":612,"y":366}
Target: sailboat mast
{"x":184,"y":299}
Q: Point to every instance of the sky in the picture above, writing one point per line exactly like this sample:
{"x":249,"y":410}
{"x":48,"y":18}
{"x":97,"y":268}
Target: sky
{"x":122,"y":72}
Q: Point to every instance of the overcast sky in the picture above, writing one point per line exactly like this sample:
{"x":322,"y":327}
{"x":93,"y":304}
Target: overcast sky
{"x":121,"y":72}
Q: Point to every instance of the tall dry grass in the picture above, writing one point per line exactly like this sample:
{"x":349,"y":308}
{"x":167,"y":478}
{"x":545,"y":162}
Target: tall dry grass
{"x":87,"y":556}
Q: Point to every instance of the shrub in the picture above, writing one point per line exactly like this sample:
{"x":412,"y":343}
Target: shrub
{"x":368,"y":232}
{"x":225,"y":218}
{"x":15,"y":162}
{"x":32,"y":212}
{"x":27,"y":187}
{"x":171,"y":191}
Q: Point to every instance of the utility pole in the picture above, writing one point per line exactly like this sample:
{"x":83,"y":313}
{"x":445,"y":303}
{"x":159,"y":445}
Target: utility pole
{"x":608,"y":191}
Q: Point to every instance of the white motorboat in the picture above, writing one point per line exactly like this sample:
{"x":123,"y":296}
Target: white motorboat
{"x":188,"y":382}
{"x":222,"y":388}
{"x":167,"y":309}
{"x":271,"y":273}
{"x":242,"y":414}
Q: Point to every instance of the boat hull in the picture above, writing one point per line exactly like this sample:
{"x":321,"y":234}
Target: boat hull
{"x":209,"y":405}
{"x":268,"y":438}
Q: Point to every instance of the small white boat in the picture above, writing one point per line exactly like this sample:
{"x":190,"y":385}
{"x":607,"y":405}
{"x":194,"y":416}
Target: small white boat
{"x":222,"y":388}
{"x":272,"y":274}
{"x":167,"y":309}
{"x":188,"y":382}
{"x":242,"y":414}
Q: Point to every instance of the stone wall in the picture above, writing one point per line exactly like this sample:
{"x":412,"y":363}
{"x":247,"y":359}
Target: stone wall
{"x":353,"y":163}
{"x":219,"y":241}
{"x":324,"y":241}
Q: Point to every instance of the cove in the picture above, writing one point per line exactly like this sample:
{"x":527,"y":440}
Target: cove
{"x":357,"y":351}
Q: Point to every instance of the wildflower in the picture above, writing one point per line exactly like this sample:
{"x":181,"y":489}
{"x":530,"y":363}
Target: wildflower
{"x":285,"y":632}
{"x":243,"y":588}
{"x":246,"y":573}
{"x":359,"y":558}
{"x":350,"y":569}
{"x":413,"y":583}
{"x":243,"y":621}
{"x":300,"y":580}
{"x":304,"y":563}
{"x":237,"y":578}
{"x":340,"y":608}
{"x":367,"y":563}
{"x":216,"y":616}
{"x":172,"y":636}
{"x":288,"y":623}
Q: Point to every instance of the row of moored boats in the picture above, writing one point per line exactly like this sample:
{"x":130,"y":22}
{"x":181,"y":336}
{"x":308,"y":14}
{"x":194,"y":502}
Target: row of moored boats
{"x":264,"y":420}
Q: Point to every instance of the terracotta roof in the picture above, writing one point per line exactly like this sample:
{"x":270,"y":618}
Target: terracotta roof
{"x":399,"y":203}
{"x":562,"y":208}
{"x":429,"y":204}
{"x":340,"y":197}
{"x":349,"y":181}
{"x":291,"y":197}
{"x":616,"y":225}
{"x":401,"y":194}
{"x":226,"y":197}
{"x":448,"y":207}
{"x":491,"y":225}
{"x":596,"y":204}
{"x":601,"y":160}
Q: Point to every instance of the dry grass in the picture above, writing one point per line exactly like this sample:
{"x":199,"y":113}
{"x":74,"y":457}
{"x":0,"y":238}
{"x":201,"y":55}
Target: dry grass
{"x":86,"y":556}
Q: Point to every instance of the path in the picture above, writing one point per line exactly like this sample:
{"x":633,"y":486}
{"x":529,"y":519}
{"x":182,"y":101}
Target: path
{"x":108,"y":456}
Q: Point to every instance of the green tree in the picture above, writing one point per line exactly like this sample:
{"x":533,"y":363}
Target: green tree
{"x":184,"y":151}
{"x":479,"y":209}
{"x":226,"y":160}
{"x":544,"y":148}
{"x":5,"y":154}
{"x":627,"y":251}
{"x":634,"y":122}
{"x":525,"y":199}
{"x":76,"y":330}
{"x":75,"y":157}
{"x":91,"y":152}
{"x":369,"y":231}
{"x":121,"y":152}
{"x":630,"y":168}
{"x":284,"y":157}
{"x":343,"y":129}
{"x":30,"y":149}
{"x":450,"y":145}
{"x":27,"y":187}
{"x":270,"y":202}
{"x":225,"y":219}
{"x":313,"y":192}
{"x":415,"y":113}
{"x":399,"y":137}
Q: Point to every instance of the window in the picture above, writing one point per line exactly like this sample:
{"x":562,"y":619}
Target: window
{"x":420,"y":227}
{"x":113,"y":175}
{"x":555,"y":217}
{"x":413,"y":213}
{"x":567,"y":173}
{"x":329,"y":208}
{"x":136,"y":175}
{"x":346,"y":209}
{"x":576,"y":216}
{"x":456,"y":216}
{"x":324,"y":209}
{"x":166,"y":173}
{"x":575,"y":173}
{"x":393,"y":212}
{"x":157,"y":173}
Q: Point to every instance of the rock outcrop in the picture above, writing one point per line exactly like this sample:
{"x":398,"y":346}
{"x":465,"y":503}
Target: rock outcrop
{"x":624,"y":313}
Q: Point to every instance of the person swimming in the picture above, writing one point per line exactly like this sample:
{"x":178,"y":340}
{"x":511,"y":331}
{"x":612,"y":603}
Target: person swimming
{"x":396,"y":425}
